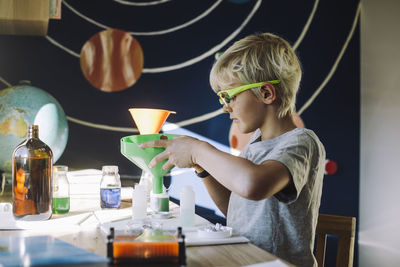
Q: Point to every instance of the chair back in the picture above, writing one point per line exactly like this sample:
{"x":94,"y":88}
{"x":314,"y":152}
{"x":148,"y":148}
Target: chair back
{"x":342,"y":226}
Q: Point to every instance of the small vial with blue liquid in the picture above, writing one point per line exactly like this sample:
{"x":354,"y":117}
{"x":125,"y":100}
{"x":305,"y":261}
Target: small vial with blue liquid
{"x":110,"y":188}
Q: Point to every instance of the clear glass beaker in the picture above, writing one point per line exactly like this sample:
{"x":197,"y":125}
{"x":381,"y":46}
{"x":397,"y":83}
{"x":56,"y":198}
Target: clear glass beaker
{"x":110,"y":188}
{"x":61,"y":198}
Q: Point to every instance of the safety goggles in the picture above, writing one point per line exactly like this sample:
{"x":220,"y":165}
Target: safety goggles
{"x":226,"y":96}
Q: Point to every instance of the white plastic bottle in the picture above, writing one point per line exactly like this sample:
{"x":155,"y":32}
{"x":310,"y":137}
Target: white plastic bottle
{"x":146,"y":181}
{"x":187,"y":206}
{"x":139,"y":203}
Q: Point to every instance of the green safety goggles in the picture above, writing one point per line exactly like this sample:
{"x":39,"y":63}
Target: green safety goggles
{"x":226,"y":96}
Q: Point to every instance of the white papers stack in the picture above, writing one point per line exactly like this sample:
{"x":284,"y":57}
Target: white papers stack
{"x":84,"y":182}
{"x":193,"y":239}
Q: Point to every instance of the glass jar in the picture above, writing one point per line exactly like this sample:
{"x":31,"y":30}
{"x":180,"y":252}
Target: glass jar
{"x":61,"y":200}
{"x":32,"y":162}
{"x":110,"y":188}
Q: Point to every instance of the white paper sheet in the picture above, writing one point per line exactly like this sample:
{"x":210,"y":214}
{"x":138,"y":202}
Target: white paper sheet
{"x":192,"y":239}
{"x":9,"y":223}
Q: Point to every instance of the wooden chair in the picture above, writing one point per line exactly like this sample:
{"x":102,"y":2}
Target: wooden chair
{"x":341,"y":226}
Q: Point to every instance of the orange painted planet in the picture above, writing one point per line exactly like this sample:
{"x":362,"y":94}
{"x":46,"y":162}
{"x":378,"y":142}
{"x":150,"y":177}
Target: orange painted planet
{"x":112,"y":60}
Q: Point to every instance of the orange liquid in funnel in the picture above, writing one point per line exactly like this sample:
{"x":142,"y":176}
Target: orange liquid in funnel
{"x":148,"y":120}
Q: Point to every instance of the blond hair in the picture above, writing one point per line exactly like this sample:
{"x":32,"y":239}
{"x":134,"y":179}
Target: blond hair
{"x":259,"y":58}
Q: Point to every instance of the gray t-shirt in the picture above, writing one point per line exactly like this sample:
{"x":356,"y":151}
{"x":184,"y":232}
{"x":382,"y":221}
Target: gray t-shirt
{"x":284,"y":224}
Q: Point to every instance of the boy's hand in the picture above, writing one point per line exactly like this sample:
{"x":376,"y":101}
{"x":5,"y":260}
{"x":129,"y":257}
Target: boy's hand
{"x":178,"y":151}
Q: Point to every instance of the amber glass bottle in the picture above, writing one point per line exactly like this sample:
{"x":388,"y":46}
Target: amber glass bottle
{"x":32,"y":178}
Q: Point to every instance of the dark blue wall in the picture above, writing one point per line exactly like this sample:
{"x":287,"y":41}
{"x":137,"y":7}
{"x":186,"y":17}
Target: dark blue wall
{"x":334,"y":115}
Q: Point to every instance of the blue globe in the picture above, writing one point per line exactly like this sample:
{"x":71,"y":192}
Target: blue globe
{"x":24,"y":105}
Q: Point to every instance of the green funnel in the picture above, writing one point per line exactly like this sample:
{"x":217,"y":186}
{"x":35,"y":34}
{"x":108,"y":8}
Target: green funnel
{"x":141,"y":157}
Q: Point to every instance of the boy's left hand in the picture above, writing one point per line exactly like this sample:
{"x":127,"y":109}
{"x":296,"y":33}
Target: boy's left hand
{"x":178,"y":151}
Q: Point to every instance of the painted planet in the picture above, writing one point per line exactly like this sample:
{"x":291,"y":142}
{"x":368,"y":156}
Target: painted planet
{"x":24,"y":105}
{"x":331,"y":167}
{"x":112,"y":60}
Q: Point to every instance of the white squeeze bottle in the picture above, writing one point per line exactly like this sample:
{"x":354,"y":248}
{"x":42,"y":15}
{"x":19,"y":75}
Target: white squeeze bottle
{"x":139,"y":203}
{"x":187,"y":205}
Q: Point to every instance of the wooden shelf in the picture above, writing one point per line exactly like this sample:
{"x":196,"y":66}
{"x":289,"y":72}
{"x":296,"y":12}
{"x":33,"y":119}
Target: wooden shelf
{"x":24,"y":17}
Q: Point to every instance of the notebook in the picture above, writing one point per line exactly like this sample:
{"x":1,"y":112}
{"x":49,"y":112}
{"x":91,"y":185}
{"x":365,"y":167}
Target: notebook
{"x":16,"y":250}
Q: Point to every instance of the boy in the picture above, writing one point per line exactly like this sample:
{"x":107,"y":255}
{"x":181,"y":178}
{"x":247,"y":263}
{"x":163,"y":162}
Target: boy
{"x":271,"y":193}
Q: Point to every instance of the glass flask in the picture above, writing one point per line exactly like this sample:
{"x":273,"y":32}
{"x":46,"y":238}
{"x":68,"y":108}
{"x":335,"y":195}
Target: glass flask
{"x":61,"y":201}
{"x":32,"y":162}
{"x":110,"y":188}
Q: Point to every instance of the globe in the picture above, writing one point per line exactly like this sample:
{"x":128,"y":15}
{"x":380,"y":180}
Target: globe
{"x":23,"y":105}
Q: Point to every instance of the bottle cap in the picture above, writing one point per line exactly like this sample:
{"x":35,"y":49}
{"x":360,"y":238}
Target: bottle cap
{"x":33,"y":130}
{"x":60,"y":168}
{"x":110,"y":168}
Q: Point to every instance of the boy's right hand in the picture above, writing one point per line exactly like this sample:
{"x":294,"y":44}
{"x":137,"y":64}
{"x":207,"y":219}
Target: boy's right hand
{"x":179,"y":152}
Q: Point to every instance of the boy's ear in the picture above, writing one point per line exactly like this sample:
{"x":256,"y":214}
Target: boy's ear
{"x":268,"y":92}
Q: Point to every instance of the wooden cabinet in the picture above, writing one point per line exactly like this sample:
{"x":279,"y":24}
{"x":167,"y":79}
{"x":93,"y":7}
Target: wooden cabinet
{"x":24,"y":17}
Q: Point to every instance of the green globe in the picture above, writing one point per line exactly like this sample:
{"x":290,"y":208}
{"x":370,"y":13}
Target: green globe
{"x":24,"y":105}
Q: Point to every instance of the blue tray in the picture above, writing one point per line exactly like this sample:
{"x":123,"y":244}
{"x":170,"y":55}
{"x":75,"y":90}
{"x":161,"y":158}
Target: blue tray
{"x":43,"y":250}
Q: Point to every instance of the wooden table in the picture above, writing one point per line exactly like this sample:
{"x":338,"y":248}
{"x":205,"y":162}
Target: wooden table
{"x":91,"y":239}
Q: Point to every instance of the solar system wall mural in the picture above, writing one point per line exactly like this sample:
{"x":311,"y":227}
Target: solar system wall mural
{"x":112,"y":60}
{"x":106,"y":56}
